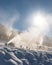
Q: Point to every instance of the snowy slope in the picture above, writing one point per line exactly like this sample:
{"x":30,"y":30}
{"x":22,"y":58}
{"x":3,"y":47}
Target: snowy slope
{"x":16,"y":56}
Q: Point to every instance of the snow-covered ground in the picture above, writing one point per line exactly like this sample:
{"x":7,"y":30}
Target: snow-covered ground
{"x":16,"y":56}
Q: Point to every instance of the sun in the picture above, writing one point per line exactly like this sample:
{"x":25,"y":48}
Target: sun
{"x":39,"y":20}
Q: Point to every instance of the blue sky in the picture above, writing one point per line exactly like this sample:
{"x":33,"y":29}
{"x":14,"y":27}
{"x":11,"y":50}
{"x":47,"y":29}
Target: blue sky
{"x":19,"y":10}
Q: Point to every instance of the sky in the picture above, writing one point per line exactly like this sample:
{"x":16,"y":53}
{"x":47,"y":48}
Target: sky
{"x":18,"y":13}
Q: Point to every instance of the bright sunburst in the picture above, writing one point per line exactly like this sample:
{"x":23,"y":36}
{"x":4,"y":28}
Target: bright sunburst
{"x":40,"y":21}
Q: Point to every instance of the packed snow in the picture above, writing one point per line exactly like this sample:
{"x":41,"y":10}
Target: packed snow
{"x":17,"y":56}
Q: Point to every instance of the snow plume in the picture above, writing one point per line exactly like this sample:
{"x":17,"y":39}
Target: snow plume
{"x":34,"y":36}
{"x":6,"y":34}
{"x":26,"y":38}
{"x":30,"y":38}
